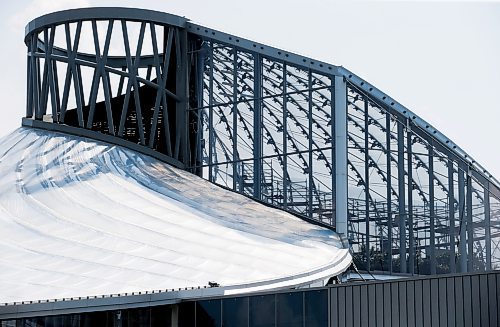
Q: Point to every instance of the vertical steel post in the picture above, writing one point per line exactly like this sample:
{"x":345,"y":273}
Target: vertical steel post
{"x":367,"y":186}
{"x":401,"y":198}
{"x":285,"y":139}
{"x":174,"y":315}
{"x":200,"y":75}
{"x":341,"y":214}
{"x":462,"y":250}
{"x":29,"y":86}
{"x":35,"y":70}
{"x":389,"y":185}
{"x":77,"y":78}
{"x":411,"y":236}
{"x":487,"y":225}
{"x":432,"y":243}
{"x":470,"y":228}
{"x":56,"y":91}
{"x":451,"y":213}
{"x":310,"y":145}
{"x":45,"y":73}
{"x":58,"y":96}
{"x":257,"y":127}
{"x":211,"y":128}
{"x":242,"y":180}
{"x":182,"y":106}
{"x":235,"y":119}
{"x":333,"y":149}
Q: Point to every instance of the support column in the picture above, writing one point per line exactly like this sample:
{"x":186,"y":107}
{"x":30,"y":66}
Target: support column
{"x":310,"y":146}
{"x":200,"y":75}
{"x":367,"y":186}
{"x":235,"y":121}
{"x":257,"y":127}
{"x":487,"y":226}
{"x":211,"y":129}
{"x":432,"y":213}
{"x":409,"y":214}
{"x":470,"y":228}
{"x":174,"y":315}
{"x":462,"y":248}
{"x":332,"y":148}
{"x":35,"y":84}
{"x":182,"y":106}
{"x":340,"y":144}
{"x":451,"y":213}
{"x":389,"y":186}
{"x":401,"y":198}
{"x":285,"y":139}
{"x":29,"y":87}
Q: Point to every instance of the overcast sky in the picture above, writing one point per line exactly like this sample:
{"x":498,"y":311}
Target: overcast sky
{"x":440,"y":59}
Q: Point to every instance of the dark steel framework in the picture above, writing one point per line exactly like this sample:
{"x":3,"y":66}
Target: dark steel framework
{"x":301,"y":135}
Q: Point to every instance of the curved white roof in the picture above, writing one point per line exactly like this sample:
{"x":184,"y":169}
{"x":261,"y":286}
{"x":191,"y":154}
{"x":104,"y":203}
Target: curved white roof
{"x":83,"y":218}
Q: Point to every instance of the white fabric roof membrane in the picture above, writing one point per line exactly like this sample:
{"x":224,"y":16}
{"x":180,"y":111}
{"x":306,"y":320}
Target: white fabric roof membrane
{"x":83,"y":218}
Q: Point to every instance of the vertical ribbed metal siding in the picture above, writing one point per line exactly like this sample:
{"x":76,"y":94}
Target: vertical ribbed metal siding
{"x":456,"y":300}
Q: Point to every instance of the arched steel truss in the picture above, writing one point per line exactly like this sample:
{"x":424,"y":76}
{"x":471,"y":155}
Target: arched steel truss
{"x":298,"y":134}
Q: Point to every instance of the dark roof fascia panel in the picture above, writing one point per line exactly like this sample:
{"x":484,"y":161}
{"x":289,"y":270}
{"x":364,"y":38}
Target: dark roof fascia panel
{"x":104,"y":303}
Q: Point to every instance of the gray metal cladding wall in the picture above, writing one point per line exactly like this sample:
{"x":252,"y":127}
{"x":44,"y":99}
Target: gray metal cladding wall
{"x":455,"y":300}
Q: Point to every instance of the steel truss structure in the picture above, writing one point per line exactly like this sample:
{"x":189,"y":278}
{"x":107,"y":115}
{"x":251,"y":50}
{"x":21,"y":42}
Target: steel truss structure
{"x":301,"y":135}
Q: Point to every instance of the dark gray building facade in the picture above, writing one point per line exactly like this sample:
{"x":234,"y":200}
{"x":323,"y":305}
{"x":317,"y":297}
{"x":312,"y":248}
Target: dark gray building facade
{"x":438,"y":301}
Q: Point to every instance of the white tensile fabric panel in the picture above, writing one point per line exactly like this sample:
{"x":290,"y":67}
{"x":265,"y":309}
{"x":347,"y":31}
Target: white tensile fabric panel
{"x":82,"y":218}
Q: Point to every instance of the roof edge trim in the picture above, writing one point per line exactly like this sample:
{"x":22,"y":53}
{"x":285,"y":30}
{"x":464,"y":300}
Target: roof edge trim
{"x":104,"y":13}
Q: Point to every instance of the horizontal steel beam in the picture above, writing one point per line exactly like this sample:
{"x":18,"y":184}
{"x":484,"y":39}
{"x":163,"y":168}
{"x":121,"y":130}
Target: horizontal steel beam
{"x":103,"y":13}
{"x":266,"y":51}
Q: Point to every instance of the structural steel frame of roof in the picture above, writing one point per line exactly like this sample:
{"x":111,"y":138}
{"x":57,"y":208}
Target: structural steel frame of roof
{"x":133,"y":14}
{"x":218,"y":96}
